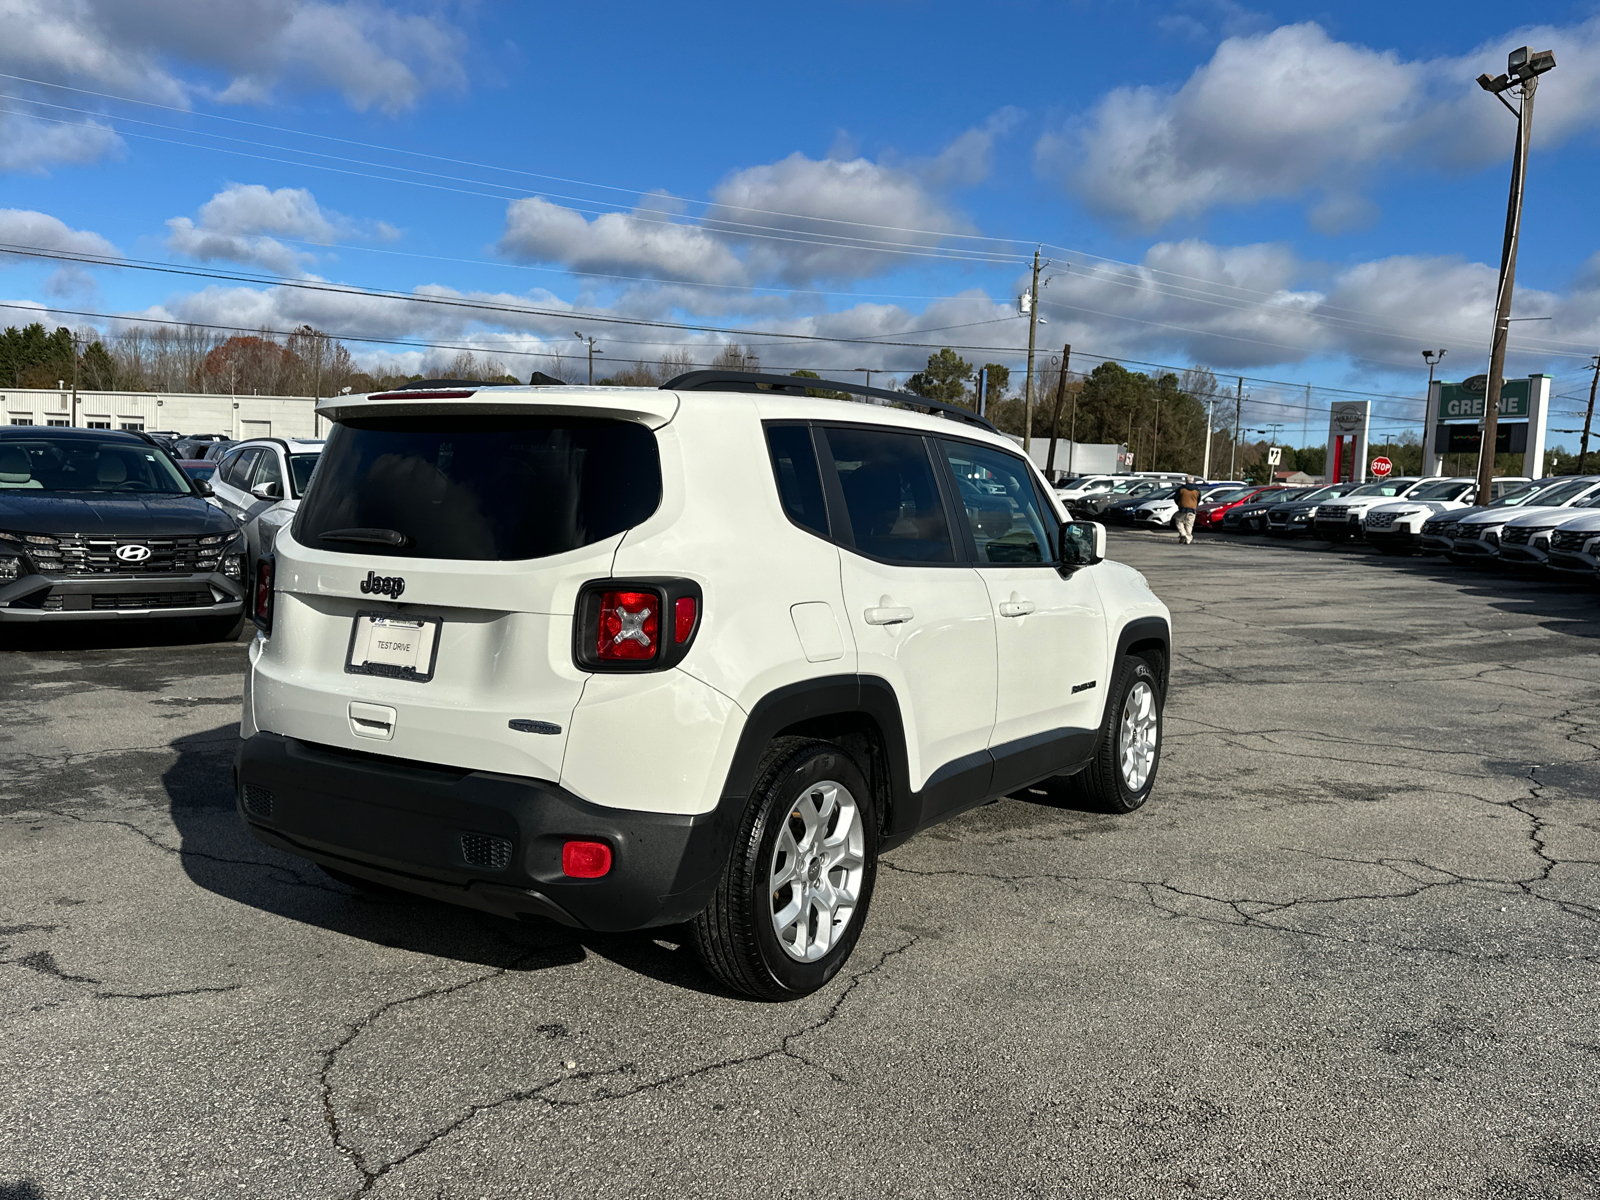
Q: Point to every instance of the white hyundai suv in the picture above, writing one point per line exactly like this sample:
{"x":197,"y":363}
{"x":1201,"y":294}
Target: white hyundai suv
{"x":260,"y":482}
{"x":626,"y":657}
{"x":1477,"y":534}
{"x":1341,"y":520}
{"x":1396,"y":526}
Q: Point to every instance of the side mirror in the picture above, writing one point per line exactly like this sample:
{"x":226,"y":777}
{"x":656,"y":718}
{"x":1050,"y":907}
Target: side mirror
{"x":204,"y":488}
{"x":267,"y":491}
{"x":1081,"y":544}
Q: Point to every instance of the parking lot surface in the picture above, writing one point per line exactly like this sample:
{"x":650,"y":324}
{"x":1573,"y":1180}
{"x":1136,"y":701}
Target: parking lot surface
{"x":1351,"y":947}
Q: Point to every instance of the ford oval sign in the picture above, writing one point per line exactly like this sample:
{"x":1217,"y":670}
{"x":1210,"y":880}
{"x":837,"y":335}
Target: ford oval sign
{"x":133,"y":554}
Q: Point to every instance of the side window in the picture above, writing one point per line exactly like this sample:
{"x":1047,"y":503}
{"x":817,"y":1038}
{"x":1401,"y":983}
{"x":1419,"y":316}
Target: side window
{"x":269,"y":472}
{"x":891,"y":495}
{"x":1001,"y":505}
{"x":239,"y":474}
{"x":794,"y":463}
{"x":225,"y":464}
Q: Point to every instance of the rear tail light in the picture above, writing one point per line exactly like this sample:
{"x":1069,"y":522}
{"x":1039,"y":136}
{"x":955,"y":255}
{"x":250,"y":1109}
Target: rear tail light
{"x":585,"y":860}
{"x":635,"y":624}
{"x":684,"y":612}
{"x":261,"y":606}
{"x":629,"y":629}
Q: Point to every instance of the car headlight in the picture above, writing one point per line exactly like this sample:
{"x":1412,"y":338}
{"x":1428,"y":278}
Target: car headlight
{"x":1311,"y":512}
{"x":10,"y":568}
{"x":233,"y":567}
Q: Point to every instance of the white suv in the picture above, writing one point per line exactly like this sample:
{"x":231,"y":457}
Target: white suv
{"x":260,"y":482}
{"x":626,"y":658}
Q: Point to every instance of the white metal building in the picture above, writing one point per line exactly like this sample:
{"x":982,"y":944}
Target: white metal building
{"x":232,"y":416}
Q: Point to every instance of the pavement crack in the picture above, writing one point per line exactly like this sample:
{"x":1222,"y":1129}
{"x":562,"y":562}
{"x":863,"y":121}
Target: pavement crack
{"x":541,"y":1093}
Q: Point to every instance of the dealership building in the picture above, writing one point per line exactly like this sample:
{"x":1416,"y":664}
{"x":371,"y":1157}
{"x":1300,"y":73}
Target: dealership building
{"x":236,"y":417}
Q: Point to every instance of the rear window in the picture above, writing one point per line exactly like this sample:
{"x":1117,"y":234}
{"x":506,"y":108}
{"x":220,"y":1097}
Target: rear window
{"x":484,"y":488}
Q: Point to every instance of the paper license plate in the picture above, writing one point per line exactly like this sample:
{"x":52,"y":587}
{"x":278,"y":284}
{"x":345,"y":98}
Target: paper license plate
{"x":399,"y":647}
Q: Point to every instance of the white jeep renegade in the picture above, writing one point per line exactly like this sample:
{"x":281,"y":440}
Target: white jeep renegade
{"x":624,"y":658}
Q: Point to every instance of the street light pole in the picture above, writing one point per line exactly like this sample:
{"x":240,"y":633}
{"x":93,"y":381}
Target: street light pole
{"x":1523,"y":68}
{"x":1433,"y":358}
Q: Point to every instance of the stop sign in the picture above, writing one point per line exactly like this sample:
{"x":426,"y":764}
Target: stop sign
{"x":1381,"y":466}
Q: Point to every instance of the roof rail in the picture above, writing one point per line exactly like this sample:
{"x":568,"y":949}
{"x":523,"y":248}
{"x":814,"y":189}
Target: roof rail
{"x":797,"y":385}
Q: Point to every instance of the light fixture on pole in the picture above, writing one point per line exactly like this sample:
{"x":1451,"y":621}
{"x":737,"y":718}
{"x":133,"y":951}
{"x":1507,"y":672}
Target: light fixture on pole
{"x":592,"y":352}
{"x":1523,"y":68}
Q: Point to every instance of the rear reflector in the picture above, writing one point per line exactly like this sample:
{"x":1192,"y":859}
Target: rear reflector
{"x":261,"y":610}
{"x":585,"y":860}
{"x":683,"y":615}
{"x":629,"y":629}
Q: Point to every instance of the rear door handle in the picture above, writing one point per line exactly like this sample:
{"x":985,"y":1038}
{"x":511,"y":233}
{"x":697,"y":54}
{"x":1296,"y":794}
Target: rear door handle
{"x":1016,"y":608}
{"x":887,"y":615}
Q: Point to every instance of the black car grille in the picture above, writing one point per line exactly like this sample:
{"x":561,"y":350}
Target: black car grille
{"x":1570,"y":539}
{"x":1440,"y":528}
{"x":1277,"y":517}
{"x":201,"y":598}
{"x":80,"y":555}
{"x":1333,"y":512}
{"x":1519,"y":535}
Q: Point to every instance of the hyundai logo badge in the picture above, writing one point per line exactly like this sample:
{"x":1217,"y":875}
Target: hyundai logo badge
{"x":133,"y":554}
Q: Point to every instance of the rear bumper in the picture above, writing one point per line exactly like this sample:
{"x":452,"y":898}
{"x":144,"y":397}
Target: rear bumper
{"x":38,"y":598}
{"x":402,"y":824}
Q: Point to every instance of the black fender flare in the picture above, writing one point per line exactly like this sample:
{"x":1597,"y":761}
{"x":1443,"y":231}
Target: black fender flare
{"x":1141,"y":631}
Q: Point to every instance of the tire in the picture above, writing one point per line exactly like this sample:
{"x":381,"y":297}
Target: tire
{"x":1104,"y":784}
{"x":221,"y":629}
{"x":803,"y":788}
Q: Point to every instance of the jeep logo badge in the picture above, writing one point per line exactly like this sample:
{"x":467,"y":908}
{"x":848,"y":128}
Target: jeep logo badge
{"x":375,"y":584}
{"x":133,"y":554}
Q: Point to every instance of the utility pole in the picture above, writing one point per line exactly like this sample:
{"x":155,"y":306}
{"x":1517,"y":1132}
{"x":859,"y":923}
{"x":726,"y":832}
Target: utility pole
{"x":1055,"y":421}
{"x":74,"y":380}
{"x":1523,"y":68}
{"x":1211,"y":411}
{"x":1155,"y":439}
{"x":1033,"y":328}
{"x":592,"y":352}
{"x":1072,"y":434}
{"x":1588,"y":416}
{"x":1238,"y":413}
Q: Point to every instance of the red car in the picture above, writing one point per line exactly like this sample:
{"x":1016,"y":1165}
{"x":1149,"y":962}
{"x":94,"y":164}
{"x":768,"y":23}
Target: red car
{"x":1211,"y":512}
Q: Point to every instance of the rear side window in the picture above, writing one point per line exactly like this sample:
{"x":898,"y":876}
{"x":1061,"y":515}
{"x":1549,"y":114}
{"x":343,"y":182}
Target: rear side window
{"x":794,"y":463}
{"x":482,"y":488}
{"x":891,"y":495}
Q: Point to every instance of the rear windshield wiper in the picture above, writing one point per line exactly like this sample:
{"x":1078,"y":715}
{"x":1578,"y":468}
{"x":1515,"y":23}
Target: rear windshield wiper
{"x":368,"y":537}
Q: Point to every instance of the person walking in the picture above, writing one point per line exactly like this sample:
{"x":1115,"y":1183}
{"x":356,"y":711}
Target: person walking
{"x":1188,"y":505}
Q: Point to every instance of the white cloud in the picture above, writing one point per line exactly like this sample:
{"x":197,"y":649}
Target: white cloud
{"x":827,"y":219}
{"x":797,"y":221}
{"x":30,"y":146}
{"x":617,"y":243}
{"x":1281,"y":114}
{"x":970,"y":157}
{"x":238,"y":223}
{"x":23,"y":227}
{"x":170,"y":51}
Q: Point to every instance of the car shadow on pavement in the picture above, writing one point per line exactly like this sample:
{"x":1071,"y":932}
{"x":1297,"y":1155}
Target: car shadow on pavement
{"x":219,"y":854}
{"x":106,"y":635}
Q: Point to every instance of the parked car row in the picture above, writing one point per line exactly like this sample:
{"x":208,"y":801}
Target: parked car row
{"x":1528,"y":523}
{"x":100,"y":525}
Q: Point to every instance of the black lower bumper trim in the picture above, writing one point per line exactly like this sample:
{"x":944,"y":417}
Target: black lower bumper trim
{"x":402,"y":824}
{"x":48,"y":598}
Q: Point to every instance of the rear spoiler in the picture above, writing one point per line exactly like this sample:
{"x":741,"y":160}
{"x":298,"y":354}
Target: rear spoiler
{"x":645,"y":405}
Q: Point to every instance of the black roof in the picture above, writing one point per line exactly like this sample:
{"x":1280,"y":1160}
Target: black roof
{"x":72,"y":433}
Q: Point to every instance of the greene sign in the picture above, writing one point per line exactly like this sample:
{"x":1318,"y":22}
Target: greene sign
{"x":1462,"y":401}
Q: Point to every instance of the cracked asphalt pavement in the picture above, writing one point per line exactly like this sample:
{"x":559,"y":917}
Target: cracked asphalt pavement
{"x":1351,"y":947}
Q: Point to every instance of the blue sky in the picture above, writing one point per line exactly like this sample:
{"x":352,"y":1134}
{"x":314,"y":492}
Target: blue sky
{"x":1284,"y":192}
